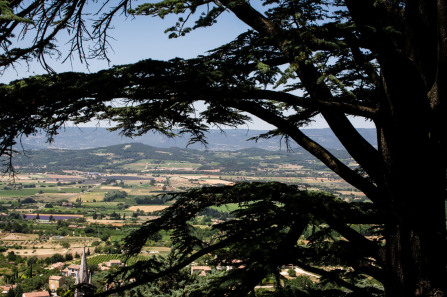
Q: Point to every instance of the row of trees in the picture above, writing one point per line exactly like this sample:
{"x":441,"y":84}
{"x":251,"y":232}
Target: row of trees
{"x":385,"y":61}
{"x":113,"y":195}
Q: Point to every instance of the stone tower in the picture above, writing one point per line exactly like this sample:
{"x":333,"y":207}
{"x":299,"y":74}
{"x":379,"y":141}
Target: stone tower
{"x":84,"y":276}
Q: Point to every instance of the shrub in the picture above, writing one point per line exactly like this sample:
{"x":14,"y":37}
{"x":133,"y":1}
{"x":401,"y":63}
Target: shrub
{"x":28,"y":200}
{"x":65,"y":244}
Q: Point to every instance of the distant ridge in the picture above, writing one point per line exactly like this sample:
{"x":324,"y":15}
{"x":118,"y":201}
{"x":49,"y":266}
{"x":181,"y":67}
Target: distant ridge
{"x":233,"y":139}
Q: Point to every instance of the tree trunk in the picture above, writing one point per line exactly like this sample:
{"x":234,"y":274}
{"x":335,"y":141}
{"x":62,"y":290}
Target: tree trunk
{"x":415,"y":264}
{"x":415,"y":182}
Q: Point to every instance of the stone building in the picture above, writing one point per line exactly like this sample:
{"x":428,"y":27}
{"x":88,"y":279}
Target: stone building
{"x":55,"y":282}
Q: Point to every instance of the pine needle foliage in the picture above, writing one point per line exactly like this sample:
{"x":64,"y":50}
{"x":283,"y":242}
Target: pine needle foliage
{"x":384,"y":61}
{"x":270,"y":229}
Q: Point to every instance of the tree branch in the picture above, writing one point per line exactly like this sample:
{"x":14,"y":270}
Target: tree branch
{"x":149,"y":277}
{"x":40,"y":43}
{"x":366,"y":155}
{"x":334,"y":278}
{"x":402,"y":79}
{"x":353,"y":109}
{"x":314,"y":148}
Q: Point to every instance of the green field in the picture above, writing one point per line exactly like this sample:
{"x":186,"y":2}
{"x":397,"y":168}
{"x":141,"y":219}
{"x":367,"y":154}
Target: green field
{"x":180,"y":165}
{"x":71,"y":190}
{"x":27,"y":192}
{"x":98,"y":259}
{"x":111,"y":205}
{"x":227,"y":207}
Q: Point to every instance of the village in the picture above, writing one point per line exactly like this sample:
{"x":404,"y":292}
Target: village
{"x":67,"y":227}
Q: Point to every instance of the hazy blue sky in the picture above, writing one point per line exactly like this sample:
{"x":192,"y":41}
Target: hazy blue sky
{"x":143,"y":37}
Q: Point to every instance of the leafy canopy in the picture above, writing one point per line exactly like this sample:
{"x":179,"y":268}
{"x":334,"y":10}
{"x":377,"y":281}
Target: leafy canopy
{"x":384,"y":61}
{"x":263,"y":236}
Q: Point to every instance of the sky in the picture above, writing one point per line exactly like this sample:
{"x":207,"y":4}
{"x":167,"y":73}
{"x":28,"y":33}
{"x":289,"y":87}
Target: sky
{"x":143,"y":37}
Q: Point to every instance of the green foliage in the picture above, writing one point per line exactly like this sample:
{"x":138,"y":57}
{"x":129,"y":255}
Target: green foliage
{"x":178,"y":283}
{"x":65,"y":244}
{"x":383,"y":61}
{"x":95,"y":243}
{"x":68,"y":257}
{"x":34,"y":283}
{"x":261,"y":238}
{"x":31,"y":260}
{"x":18,"y":291}
{"x":11,"y":293}
{"x":54,"y":259}
{"x":98,"y":259}
{"x":104,"y":237}
{"x":6,"y":14}
{"x":113,"y":195}
{"x":302,"y":282}
{"x":150,"y":200}
{"x":28,"y":200}
{"x":11,"y":256}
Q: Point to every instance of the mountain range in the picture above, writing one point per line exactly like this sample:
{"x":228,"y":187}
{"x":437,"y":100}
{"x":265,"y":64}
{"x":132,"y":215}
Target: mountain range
{"x":226,"y":140}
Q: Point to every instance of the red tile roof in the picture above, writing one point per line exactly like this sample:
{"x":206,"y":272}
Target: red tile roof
{"x":37,"y":294}
{"x":74,"y":267}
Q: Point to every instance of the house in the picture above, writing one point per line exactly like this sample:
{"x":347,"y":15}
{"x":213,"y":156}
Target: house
{"x":36,"y":294}
{"x":114,"y":263}
{"x":58,"y":265}
{"x":71,"y":270}
{"x":55,"y":282}
{"x":67,"y":204}
{"x":110,"y":264}
{"x":7,"y":287}
{"x":200,"y":270}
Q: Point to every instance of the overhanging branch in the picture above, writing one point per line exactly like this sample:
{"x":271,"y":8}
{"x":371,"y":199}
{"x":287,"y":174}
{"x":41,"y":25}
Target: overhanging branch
{"x":352,"y":109}
{"x":366,"y":155}
{"x":314,"y":148}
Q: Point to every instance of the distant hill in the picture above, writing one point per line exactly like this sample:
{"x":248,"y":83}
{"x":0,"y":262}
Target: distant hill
{"x":85,"y":138}
{"x":137,"y":157}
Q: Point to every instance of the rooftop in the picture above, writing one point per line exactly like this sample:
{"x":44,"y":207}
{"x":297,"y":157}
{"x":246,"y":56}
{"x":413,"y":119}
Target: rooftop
{"x":74,"y":267}
{"x":37,"y":294}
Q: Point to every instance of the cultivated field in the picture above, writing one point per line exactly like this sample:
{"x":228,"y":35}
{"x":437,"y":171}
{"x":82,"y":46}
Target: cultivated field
{"x":148,"y":208}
